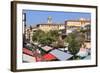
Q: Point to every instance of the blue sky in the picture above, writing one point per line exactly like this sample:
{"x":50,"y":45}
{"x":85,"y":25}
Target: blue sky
{"x":34,"y":17}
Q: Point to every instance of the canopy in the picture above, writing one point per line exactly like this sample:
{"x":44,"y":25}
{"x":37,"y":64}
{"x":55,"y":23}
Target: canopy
{"x":47,"y":48}
{"x":61,"y":55}
{"x":48,"y":57}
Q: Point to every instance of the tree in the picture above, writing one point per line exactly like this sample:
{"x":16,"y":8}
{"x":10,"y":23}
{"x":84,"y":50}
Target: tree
{"x":86,"y":32}
{"x":37,"y":35}
{"x":45,"y":38}
{"x":60,"y":43}
{"x":74,"y":45}
{"x":49,"y":37}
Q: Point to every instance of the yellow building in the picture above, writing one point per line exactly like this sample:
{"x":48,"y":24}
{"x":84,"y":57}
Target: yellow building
{"x":69,"y":24}
{"x":48,"y":27}
{"x":77,"y":23}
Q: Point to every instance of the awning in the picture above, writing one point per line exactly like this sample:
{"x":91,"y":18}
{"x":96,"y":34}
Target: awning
{"x":83,"y":52}
{"x":27,"y":51}
{"x":87,"y":57}
{"x":47,"y":48}
{"x":28,"y":58}
{"x":48,"y":57}
{"x":61,"y":55}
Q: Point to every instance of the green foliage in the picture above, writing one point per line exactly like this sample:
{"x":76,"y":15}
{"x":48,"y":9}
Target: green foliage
{"x":74,"y":44}
{"x":45,"y":38}
{"x":37,"y":35}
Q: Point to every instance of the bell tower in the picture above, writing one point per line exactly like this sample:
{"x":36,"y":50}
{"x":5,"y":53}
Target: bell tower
{"x":49,"y":19}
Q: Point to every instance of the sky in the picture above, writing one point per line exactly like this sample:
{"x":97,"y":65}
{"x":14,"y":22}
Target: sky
{"x":34,"y":17}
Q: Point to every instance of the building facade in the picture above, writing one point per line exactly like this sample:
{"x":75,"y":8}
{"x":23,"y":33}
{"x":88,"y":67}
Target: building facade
{"x":68,"y":26}
{"x":77,"y":23}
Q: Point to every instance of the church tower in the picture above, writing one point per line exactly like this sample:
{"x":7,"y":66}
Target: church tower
{"x":49,"y":20}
